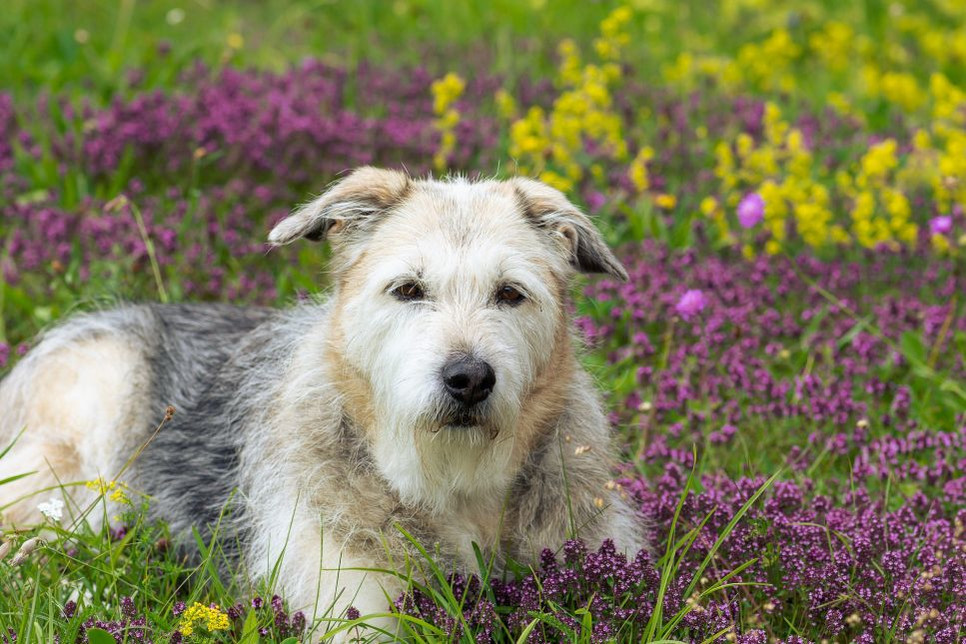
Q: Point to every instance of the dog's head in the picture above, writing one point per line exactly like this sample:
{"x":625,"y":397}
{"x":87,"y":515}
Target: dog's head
{"x":450,"y":339}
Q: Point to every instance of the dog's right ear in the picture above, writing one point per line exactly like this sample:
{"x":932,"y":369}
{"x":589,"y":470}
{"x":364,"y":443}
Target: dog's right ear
{"x":550,"y":210}
{"x":348,"y":204}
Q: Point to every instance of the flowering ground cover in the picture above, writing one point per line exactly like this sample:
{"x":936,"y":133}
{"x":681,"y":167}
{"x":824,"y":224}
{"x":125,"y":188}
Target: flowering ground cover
{"x":785,"y":368}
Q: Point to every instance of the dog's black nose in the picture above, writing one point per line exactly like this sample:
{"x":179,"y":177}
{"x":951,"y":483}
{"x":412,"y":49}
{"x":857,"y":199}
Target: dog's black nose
{"x":468,"y":380}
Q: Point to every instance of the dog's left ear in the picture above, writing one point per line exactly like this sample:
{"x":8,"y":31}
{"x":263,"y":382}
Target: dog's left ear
{"x":348,"y":205}
{"x":550,"y":210}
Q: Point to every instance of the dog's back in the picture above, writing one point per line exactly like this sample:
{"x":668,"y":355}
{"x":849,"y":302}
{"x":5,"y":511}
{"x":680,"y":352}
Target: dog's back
{"x":94,"y":388}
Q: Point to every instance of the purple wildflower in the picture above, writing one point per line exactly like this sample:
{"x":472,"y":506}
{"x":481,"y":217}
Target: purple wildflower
{"x":691,"y":303}
{"x":235,"y":611}
{"x":751,"y":210}
{"x":127,"y":608}
{"x":941,"y":225}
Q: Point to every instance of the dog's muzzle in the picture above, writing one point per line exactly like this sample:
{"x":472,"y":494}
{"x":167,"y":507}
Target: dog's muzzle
{"x":468,"y":380}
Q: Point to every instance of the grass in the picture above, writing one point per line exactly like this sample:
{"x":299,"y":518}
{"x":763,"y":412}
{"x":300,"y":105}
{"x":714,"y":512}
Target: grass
{"x":86,"y":48}
{"x":878,"y":332}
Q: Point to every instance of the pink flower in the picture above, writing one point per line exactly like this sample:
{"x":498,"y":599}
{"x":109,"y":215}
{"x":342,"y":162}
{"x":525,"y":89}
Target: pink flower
{"x":940,"y":225}
{"x":691,"y":303}
{"x":751,"y":210}
{"x":595,"y":201}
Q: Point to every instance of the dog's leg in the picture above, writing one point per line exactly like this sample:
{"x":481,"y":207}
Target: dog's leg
{"x":322,"y":575}
{"x":351,"y":580}
{"x":65,"y":405}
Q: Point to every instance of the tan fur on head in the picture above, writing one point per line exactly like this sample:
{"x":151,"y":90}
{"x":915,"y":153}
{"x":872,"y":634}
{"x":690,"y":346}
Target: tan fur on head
{"x":352,"y":206}
{"x":344,"y":206}
{"x":550,"y":209}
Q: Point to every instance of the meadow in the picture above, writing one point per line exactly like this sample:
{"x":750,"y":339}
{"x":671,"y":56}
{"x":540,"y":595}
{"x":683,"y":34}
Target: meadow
{"x":785,"y":369}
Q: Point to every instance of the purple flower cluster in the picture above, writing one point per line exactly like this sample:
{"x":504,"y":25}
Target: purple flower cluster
{"x":201,"y":168}
{"x":130,"y":627}
{"x":846,"y":567}
{"x":475,"y":616}
{"x":295,"y":124}
{"x":846,"y":563}
{"x":819,"y":347}
{"x":279,"y":624}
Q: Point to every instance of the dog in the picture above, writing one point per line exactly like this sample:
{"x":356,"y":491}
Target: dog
{"x":435,"y":393}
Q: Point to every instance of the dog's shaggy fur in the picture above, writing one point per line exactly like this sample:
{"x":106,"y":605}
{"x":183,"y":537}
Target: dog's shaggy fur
{"x":336,"y":424}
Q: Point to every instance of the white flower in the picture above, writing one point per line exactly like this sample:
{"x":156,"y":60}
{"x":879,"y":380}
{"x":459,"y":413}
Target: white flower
{"x":52,"y":509}
{"x":174,"y":16}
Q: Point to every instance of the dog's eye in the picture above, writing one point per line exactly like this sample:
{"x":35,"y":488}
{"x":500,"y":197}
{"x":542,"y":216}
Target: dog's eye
{"x":509,"y":295}
{"x":409,"y":292}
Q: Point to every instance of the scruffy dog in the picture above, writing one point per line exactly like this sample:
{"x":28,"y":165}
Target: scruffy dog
{"x":436,"y":390}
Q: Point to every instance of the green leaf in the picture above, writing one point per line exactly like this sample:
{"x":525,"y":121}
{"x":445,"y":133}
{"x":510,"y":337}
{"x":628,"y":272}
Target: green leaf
{"x":99,"y":636}
{"x":250,"y":629}
{"x":912,"y":347}
{"x":849,"y":335}
{"x":682,"y":234}
{"x":960,"y":339}
{"x":9,"y":447}
{"x":44,"y":314}
{"x":16,"y":477}
{"x":526,"y":632}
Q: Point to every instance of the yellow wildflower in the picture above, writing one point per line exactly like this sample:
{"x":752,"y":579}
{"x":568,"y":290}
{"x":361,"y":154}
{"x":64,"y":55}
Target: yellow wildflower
{"x":834,"y":45}
{"x":948,"y":99}
{"x":235,"y":41}
{"x":903,"y":90}
{"x":555,"y":180}
{"x":445,"y":92}
{"x":569,"y":69}
{"x":879,"y":160}
{"x":940,"y":243}
{"x":775,"y":127}
{"x":211,"y":618}
{"x":921,"y":140}
{"x":708,"y":207}
{"x":638,"y":170}
{"x":506,"y":106}
{"x":113,"y":490}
